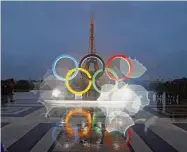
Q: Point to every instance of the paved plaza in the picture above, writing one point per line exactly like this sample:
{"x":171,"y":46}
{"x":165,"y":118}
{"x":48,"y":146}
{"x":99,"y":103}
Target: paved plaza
{"x":24,"y":128}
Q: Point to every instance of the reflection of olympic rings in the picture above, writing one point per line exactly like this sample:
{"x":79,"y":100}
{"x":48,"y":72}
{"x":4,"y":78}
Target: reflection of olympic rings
{"x":86,"y":114}
{"x":67,"y":79}
{"x":64,"y":56}
{"x":92,"y":56}
{"x":122,"y":57}
{"x":108,"y":138}
{"x":97,"y":72}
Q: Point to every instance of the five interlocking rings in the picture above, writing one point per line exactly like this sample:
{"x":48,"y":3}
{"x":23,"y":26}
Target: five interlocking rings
{"x":91,"y":79}
{"x":72,"y":73}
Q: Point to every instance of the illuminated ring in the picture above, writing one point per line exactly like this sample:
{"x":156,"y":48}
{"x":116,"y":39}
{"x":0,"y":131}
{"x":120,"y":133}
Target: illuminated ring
{"x":56,"y":126}
{"x":86,"y":114}
{"x":109,"y":142}
{"x":97,"y":131}
{"x":94,"y":56}
{"x":54,"y":131}
{"x":67,"y":83}
{"x":64,"y":56}
{"x":96,"y":73}
{"x":127,"y":141}
{"x":122,"y":57}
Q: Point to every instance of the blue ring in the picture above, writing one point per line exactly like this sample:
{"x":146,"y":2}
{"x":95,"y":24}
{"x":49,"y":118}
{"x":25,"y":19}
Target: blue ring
{"x":65,"y":56}
{"x":76,"y":138}
{"x":54,"y":130}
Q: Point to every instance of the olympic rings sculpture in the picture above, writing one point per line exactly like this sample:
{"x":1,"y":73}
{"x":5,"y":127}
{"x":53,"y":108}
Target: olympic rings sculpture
{"x":92,"y":80}
{"x":86,"y":114}
{"x":71,"y":74}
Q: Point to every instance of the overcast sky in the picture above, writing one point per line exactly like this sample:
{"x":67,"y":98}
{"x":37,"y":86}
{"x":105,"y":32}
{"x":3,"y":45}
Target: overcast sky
{"x":34,"y":33}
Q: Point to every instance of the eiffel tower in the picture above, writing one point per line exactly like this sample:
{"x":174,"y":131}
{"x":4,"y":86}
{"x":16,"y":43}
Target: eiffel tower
{"x":91,"y":94}
{"x":91,"y":49}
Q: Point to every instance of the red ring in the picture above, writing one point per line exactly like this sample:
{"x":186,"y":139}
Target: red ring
{"x":126,"y":143}
{"x":122,"y":57}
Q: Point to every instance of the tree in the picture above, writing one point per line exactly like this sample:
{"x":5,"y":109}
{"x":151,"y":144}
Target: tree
{"x":23,"y":85}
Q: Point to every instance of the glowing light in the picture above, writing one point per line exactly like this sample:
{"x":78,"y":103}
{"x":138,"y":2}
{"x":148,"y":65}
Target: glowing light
{"x":66,"y":145}
{"x":56,"y":93}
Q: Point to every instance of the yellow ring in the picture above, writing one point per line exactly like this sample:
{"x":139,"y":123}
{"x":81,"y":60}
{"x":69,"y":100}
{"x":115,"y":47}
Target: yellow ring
{"x":70,"y":72}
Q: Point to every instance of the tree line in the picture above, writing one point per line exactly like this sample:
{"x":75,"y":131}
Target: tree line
{"x":175,"y":87}
{"x":20,"y":85}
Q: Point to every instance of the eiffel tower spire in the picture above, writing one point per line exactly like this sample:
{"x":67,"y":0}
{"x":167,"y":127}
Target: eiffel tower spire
{"x":92,"y":49}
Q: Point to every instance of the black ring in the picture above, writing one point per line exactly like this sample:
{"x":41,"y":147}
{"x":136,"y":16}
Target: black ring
{"x":98,"y":57}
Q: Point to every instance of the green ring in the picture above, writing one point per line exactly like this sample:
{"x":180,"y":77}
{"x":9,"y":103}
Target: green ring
{"x":97,"y":72}
{"x":97,"y":131}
